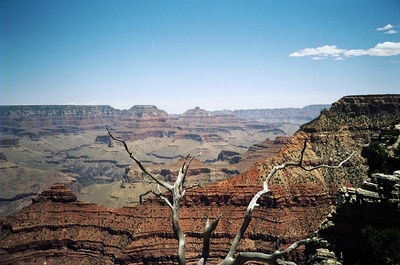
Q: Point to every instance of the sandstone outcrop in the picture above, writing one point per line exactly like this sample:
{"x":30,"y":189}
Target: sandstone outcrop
{"x":57,"y":193}
{"x":197,"y":111}
{"x":146,"y":111}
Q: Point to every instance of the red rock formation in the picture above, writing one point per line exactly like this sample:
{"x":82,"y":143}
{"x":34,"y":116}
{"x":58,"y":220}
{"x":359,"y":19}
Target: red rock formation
{"x":263,"y":150}
{"x":77,"y":232}
{"x":67,"y":231}
{"x":57,"y":193}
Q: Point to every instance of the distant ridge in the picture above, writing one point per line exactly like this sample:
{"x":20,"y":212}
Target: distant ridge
{"x":267,"y":115}
{"x":278,"y":115}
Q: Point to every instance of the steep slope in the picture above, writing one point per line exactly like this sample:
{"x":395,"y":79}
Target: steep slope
{"x":65,"y":232}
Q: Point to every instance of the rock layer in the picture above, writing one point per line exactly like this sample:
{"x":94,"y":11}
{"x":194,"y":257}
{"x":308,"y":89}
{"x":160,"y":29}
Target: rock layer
{"x":50,"y":144}
{"x":77,"y":232}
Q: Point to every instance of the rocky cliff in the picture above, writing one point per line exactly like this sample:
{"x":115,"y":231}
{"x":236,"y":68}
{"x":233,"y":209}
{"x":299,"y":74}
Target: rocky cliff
{"x":58,"y":232}
{"x":364,"y":227}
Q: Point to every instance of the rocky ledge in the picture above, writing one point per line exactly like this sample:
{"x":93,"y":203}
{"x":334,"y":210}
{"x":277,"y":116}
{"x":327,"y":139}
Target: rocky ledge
{"x":360,"y":216}
{"x":59,"y":230}
{"x":57,"y":193}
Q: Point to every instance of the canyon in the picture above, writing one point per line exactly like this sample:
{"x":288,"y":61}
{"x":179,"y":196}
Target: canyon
{"x":41,"y":145}
{"x":58,"y":228}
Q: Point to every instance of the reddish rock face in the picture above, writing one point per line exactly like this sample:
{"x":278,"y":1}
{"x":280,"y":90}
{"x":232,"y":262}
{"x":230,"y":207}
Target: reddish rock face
{"x":57,"y":193}
{"x":72,"y":232}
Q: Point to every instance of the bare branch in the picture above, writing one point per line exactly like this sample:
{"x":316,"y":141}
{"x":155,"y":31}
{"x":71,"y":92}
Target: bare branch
{"x":230,"y":258}
{"x":177,"y":191}
{"x":243,"y":257}
{"x":144,"y":194}
{"x":157,"y":194}
{"x":186,"y":165}
{"x":139,"y":163}
{"x":328,"y":166}
{"x":206,"y":239}
{"x":193,"y":186}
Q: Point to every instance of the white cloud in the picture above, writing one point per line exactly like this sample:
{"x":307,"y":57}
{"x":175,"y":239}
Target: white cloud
{"x":385,"y":49}
{"x":318,"y":58}
{"x":387,"y":27}
{"x":381,"y":49}
{"x":354,"y":53}
{"x":327,"y":50}
{"x":392,"y":31}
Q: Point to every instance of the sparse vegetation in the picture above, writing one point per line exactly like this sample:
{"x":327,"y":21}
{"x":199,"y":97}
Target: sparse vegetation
{"x":383,"y":152}
{"x":381,"y":246}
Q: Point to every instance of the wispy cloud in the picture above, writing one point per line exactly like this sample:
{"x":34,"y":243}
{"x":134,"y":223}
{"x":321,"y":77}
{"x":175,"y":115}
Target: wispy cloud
{"x":318,"y":58}
{"x":381,"y":49}
{"x":387,"y":27}
{"x":392,"y":31}
{"x":324,"y":51}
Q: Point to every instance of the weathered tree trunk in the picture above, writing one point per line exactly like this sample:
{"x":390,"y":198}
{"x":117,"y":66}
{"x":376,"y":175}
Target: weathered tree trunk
{"x":233,"y":257}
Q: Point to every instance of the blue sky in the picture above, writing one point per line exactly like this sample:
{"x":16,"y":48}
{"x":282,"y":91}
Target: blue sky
{"x":182,"y":54}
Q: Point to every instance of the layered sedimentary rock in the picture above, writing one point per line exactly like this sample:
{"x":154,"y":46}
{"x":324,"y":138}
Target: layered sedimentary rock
{"x":78,"y":232}
{"x":63,"y":231}
{"x":287,"y":115}
{"x":41,"y":120}
{"x":197,"y":111}
{"x":49,"y":144}
{"x":9,"y":142}
{"x":146,"y":111}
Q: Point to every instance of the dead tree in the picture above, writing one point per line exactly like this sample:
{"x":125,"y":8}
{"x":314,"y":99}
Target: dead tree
{"x":177,"y":191}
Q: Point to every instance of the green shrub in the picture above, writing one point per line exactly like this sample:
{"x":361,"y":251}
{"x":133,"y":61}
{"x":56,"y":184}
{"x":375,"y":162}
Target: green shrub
{"x":382,"y":245}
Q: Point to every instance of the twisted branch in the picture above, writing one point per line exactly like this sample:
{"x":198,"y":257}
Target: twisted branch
{"x":230,"y":258}
{"x":206,"y":239}
{"x":233,"y":257}
{"x":139,"y":163}
{"x":177,"y":190}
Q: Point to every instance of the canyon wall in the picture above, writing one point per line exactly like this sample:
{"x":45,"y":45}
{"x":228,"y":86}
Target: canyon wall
{"x":58,"y":231}
{"x":49,"y":144}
